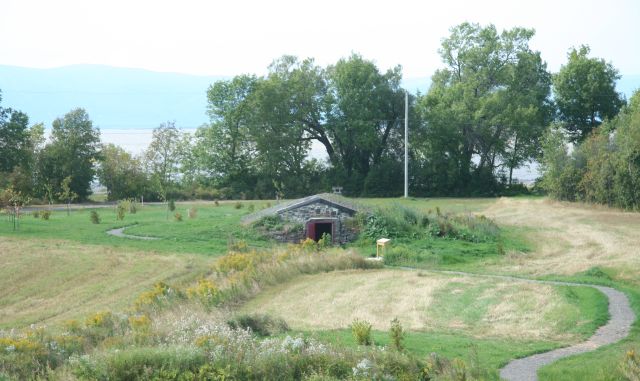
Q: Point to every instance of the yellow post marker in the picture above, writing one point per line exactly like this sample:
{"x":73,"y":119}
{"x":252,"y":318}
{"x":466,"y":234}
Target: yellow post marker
{"x":380,"y":246}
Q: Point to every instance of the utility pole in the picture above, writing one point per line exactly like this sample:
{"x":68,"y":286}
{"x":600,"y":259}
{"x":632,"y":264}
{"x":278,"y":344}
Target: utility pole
{"x":406,"y":144}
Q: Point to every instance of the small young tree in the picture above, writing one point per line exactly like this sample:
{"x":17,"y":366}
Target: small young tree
{"x":66,"y":193}
{"x":14,"y":202}
{"x":397,"y":335}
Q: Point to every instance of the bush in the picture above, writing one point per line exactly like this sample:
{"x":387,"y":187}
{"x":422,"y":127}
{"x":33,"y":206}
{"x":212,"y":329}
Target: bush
{"x":121,"y":209}
{"x":361,"y":330}
{"x":178,"y":217}
{"x":216,"y":203}
{"x":396,"y":334}
{"x":171,"y":205}
{"x":238,"y":205}
{"x":133,"y":209}
{"x":36,"y":214}
{"x":45,"y":214}
{"x":193,"y":212}
{"x":251,"y":208}
{"x":263,"y":325}
{"x":95,"y":217}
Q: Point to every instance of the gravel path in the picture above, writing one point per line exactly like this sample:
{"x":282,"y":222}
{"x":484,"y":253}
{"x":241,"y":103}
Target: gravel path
{"x":621,"y":317}
{"x":120,"y":233}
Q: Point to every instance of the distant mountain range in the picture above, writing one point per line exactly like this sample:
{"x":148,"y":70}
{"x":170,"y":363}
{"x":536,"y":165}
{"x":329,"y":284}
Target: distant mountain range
{"x":132,"y":99}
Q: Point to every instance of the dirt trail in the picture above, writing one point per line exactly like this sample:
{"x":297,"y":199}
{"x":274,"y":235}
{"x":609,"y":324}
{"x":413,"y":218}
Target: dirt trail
{"x":120,"y":233}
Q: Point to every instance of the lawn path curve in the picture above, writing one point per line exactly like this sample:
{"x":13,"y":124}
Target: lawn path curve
{"x":119,"y":232}
{"x":621,"y":317}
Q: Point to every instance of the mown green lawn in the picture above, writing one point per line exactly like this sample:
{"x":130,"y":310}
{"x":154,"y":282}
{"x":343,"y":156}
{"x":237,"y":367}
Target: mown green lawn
{"x":209,"y":233}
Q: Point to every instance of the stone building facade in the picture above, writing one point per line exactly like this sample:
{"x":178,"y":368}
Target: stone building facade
{"x":320,"y":215}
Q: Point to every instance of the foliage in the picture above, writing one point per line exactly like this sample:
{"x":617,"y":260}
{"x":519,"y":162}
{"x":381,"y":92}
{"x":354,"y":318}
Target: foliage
{"x":263,"y":325}
{"x":178,"y":217}
{"x":206,"y":291}
{"x":604,"y":168}
{"x":163,"y":156}
{"x":402,"y":222}
{"x":491,"y":101}
{"x":122,"y":174}
{"x":66,"y":193}
{"x":397,"y":335}
{"x":361,"y":330}
{"x":193,"y":212}
{"x":46,"y":214}
{"x":73,"y":149}
{"x":121,"y":210}
{"x":585,"y":91}
{"x":95,"y":217}
{"x":171,"y":205}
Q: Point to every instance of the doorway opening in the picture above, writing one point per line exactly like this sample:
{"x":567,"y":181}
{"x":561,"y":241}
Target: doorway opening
{"x":316,"y":229}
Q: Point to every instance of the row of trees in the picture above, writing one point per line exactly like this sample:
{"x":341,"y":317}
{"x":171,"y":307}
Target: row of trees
{"x":604,"y":168}
{"x":484,"y":116}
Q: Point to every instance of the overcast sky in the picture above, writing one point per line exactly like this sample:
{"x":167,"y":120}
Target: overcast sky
{"x":232,"y":37}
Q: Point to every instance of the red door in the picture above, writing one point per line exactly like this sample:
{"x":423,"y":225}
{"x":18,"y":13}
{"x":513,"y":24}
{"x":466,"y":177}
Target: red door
{"x":311,"y":230}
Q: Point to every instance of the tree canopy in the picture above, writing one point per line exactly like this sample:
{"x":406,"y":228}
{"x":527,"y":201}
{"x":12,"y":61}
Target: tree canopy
{"x":585,"y":91}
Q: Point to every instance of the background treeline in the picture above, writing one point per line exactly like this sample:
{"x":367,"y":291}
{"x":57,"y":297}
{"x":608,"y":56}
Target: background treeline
{"x":604,"y":168}
{"x":484,"y":116}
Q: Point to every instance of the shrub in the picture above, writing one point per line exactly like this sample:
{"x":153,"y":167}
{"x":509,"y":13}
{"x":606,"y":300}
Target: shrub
{"x":396,"y":334}
{"x":178,"y":217}
{"x":121,"y":209}
{"x":36,"y":214}
{"x":361,"y":330}
{"x":251,"y":208}
{"x":193,"y":212}
{"x":216,"y":203}
{"x":95,"y":217}
{"x":45,"y":214}
{"x":238,"y":205}
{"x":263,"y":325}
{"x":171,"y":205}
{"x":133,"y":209}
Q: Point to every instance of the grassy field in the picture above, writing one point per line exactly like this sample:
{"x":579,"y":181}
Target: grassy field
{"x":208,"y":234}
{"x":49,"y":281}
{"x":67,"y":268}
{"x":424,"y":301}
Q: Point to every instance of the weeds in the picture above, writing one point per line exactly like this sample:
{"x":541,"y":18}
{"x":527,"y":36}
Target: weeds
{"x":263,"y":325}
{"x":396,"y":334}
{"x":361,"y":330}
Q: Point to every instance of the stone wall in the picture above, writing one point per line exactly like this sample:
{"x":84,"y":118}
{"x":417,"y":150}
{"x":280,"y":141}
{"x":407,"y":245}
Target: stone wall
{"x":321,"y":210}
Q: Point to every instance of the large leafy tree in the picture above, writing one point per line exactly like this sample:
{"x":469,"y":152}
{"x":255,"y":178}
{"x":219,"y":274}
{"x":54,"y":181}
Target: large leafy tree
{"x":364,"y":121}
{"x":224,"y":150}
{"x":486,"y":110}
{"x":72,"y":152}
{"x":163,"y":157}
{"x":585,"y":92}
{"x":122,"y":174}
{"x":15,"y":142}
